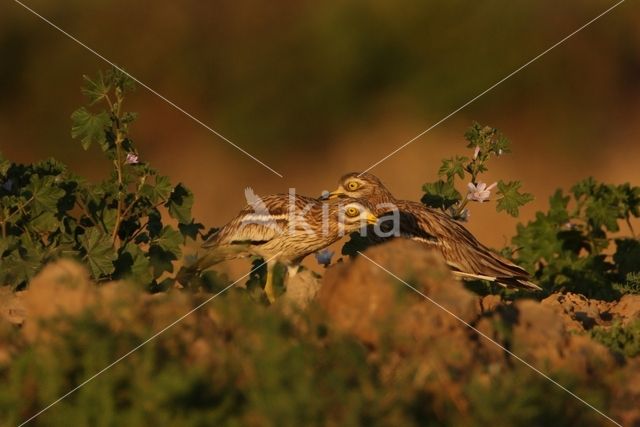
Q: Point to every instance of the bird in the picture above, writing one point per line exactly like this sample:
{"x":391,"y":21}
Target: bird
{"x":284,"y":228}
{"x":463,"y":253}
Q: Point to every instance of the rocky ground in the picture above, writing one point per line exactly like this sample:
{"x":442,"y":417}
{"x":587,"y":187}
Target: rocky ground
{"x":445,"y":318}
{"x":454,"y":340}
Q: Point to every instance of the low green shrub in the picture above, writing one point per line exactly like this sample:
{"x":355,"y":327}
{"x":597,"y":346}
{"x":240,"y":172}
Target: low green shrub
{"x":238,"y":363}
{"x":622,"y":339}
{"x":117,"y":227}
{"x":571,"y":247}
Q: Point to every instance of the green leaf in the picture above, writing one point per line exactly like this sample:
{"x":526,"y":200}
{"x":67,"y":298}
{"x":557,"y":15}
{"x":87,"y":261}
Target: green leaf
{"x":170,"y":240}
{"x":128,"y":118}
{"x":154,"y":224}
{"x":161,"y":260}
{"x":440,"y":194}
{"x":133,"y":264}
{"x":602,"y":212}
{"x":190,"y":230}
{"x":510,"y":199}
{"x":97,"y":89}
{"x":108,"y":217}
{"x":45,"y":193}
{"x":585,"y":187}
{"x":180,"y":203}
{"x":489,"y":139}
{"x":89,"y":127}
{"x":558,"y":208}
{"x":21,"y":263}
{"x":121,"y":80}
{"x":631,"y":197}
{"x":99,"y":252}
{"x":452,"y":167}
{"x":44,"y":223}
{"x":159,"y":191}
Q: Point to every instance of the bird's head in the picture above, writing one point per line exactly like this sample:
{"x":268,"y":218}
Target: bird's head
{"x":355,"y":214}
{"x":359,"y":186}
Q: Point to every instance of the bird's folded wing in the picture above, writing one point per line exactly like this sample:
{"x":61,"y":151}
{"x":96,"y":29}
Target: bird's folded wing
{"x":461,"y":249}
{"x":253,"y":226}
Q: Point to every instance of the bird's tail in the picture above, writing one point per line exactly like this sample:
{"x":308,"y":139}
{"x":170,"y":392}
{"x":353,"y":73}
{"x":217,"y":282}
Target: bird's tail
{"x":520,"y":283}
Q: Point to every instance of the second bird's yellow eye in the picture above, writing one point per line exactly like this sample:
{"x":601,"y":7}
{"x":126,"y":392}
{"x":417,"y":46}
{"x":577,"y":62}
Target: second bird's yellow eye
{"x":352,"y":212}
{"x":352,"y":185}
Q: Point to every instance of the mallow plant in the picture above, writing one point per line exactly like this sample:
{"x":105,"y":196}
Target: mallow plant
{"x":460,"y":171}
{"x":117,"y":227}
{"x":585,"y":242}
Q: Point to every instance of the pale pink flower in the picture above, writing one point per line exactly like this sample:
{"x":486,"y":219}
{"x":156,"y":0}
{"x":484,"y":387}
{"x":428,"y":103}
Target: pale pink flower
{"x":480,"y":192}
{"x":476,"y":152}
{"x":132,"y":159}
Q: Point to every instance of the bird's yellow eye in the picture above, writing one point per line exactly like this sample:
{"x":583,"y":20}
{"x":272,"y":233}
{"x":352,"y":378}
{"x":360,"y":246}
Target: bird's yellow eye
{"x":352,"y":185}
{"x":352,"y":212}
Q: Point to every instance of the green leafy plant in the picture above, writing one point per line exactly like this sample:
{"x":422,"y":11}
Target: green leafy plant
{"x":571,"y":247}
{"x":622,"y":339}
{"x":630,"y":286}
{"x":486,"y":143}
{"x":118,"y":226}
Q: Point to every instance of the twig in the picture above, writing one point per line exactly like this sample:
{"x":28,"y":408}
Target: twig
{"x":20,"y":208}
{"x":633,"y":233}
{"x":88,"y":214}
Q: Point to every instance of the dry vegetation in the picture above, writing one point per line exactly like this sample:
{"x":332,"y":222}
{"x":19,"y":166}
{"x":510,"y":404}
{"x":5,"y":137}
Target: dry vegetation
{"x":367,"y":351}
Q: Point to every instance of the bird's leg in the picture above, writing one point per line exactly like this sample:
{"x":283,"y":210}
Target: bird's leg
{"x":268,"y":287}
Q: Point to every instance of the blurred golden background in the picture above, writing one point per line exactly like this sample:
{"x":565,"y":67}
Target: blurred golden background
{"x":317,"y":89}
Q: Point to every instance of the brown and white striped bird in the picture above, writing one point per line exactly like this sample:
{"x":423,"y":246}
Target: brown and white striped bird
{"x":465,"y":255}
{"x":285,"y":228}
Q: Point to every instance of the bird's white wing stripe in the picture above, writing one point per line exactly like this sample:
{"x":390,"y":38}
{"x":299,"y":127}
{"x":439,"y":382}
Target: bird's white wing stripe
{"x":262,"y":218}
{"x":423,"y":240}
{"x":474,"y":276}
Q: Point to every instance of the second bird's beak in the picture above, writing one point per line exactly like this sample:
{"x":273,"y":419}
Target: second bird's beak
{"x":372,"y":219}
{"x":335,"y":194}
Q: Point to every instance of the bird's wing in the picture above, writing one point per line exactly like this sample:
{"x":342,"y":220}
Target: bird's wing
{"x":461,"y":250}
{"x":257,"y":223}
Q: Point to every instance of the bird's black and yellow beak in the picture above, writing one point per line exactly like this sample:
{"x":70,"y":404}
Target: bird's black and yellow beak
{"x":371,"y":218}
{"x":339,"y":192}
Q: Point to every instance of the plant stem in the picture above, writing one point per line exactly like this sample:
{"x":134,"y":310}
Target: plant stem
{"x":135,"y":234}
{"x":118,"y":165}
{"x":106,"y":96}
{"x":633,"y":233}
{"x":461,"y":207}
{"x":89,"y":216}
{"x":20,"y":208}
{"x":115,"y":110}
